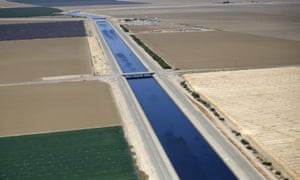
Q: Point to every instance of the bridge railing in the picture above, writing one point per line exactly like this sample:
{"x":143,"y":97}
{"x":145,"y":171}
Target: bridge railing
{"x":138,"y":75}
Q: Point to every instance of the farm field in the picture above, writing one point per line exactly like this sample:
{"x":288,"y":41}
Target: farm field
{"x":56,"y":107}
{"x":220,"y":49}
{"x":100,"y":153}
{"x":73,"y":2}
{"x":278,"y":19}
{"x":7,"y":4}
{"x":42,"y":30}
{"x":43,"y":57}
{"x":263,"y":104}
{"x":23,"y":20}
{"x":28,"y":12}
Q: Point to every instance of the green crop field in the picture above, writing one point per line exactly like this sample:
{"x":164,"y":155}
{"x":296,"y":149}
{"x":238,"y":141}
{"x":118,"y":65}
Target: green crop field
{"x":28,"y":12}
{"x":100,"y":153}
{"x":45,"y":1}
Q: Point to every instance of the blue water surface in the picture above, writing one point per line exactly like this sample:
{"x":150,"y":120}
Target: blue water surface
{"x":192,"y":157}
{"x":127,"y":61}
{"x":190,"y":154}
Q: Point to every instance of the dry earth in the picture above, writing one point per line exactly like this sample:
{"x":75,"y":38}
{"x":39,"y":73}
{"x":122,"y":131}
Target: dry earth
{"x":272,"y":18}
{"x":99,"y":60}
{"x":219,"y":49}
{"x":56,"y":107}
{"x":26,"y":60}
{"x":151,"y":28}
{"x":263,"y":104}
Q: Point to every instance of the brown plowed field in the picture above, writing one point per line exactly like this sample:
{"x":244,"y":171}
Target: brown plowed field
{"x":27,"y":60}
{"x":56,"y":107}
{"x":219,"y":49}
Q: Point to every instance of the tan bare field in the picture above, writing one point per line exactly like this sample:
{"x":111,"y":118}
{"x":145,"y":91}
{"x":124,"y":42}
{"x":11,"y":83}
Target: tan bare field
{"x":151,"y":28}
{"x":274,"y":20}
{"x":26,"y":60}
{"x":264,"y":105}
{"x":219,"y":49}
{"x":56,"y":107}
{"x":281,"y":20}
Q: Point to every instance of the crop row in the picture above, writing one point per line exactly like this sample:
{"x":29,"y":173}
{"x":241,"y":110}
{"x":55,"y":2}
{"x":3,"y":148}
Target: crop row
{"x":42,"y":30}
{"x":74,"y":2}
{"x":100,"y":153}
{"x":28,"y":12}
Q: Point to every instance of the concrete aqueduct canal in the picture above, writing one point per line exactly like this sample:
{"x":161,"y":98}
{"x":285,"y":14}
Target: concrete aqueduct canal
{"x":190,"y":154}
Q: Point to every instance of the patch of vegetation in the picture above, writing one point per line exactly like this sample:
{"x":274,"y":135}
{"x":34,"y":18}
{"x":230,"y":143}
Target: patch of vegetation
{"x":249,"y":147}
{"x":216,"y":114}
{"x":100,"y":153}
{"x":244,"y":141}
{"x":157,"y":58}
{"x":236,"y":133}
{"x":28,"y":12}
{"x":267,"y":163}
{"x":195,"y":95}
{"x":124,"y":28}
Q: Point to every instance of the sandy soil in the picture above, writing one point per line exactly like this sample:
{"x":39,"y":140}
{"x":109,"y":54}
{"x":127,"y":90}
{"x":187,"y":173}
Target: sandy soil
{"x":56,"y":107}
{"x":151,"y":28}
{"x":280,"y":20}
{"x":99,"y":60}
{"x":263,"y":104}
{"x":27,"y":60}
{"x":219,"y":49}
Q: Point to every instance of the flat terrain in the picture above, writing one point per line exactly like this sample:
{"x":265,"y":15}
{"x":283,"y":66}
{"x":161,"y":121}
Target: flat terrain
{"x":22,"y":20}
{"x":219,"y":49}
{"x":86,"y":154}
{"x":151,"y":28}
{"x":26,"y":60}
{"x":73,"y":2}
{"x":281,"y":20}
{"x":263,"y":103}
{"x":42,"y":30}
{"x":56,"y":107}
{"x":7,"y":4}
{"x":28,"y":12}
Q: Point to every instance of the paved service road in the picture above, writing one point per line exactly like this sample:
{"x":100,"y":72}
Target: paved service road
{"x":232,"y":157}
{"x":158,"y":158}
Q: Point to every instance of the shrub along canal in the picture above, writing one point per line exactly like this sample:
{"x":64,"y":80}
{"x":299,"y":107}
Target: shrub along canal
{"x":190,"y":154}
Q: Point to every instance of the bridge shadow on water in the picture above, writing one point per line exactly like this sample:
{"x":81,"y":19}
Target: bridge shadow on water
{"x":190,"y":154}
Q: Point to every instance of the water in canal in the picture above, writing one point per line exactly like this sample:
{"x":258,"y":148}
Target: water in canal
{"x":190,"y":154}
{"x":128,"y":61}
